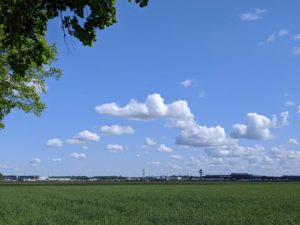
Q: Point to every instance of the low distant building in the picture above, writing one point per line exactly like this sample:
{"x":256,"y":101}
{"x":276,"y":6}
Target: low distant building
{"x":241,"y":176}
{"x":20,"y":178}
{"x":216,"y":178}
{"x":59,"y":179}
{"x":28,"y":178}
{"x":10,"y":178}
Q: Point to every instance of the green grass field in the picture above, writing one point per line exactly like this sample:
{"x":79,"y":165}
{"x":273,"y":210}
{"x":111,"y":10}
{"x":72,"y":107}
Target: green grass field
{"x":137,"y":204}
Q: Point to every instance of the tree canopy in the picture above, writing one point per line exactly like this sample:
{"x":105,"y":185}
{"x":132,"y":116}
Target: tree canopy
{"x":26,"y":58}
{"x":1,"y":177}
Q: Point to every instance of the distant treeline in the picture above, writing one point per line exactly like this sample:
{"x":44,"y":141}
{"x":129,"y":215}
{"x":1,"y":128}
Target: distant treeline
{"x":179,"y":178}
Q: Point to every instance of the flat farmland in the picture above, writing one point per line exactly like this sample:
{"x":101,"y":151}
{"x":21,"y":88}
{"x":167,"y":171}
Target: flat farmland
{"x":145,"y":204}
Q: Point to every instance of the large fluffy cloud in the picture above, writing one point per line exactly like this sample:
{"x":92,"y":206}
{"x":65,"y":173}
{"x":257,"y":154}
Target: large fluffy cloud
{"x":154,"y":107}
{"x":202,"y":136}
{"x":177,"y":114}
{"x":257,"y":127}
{"x":116,"y":130}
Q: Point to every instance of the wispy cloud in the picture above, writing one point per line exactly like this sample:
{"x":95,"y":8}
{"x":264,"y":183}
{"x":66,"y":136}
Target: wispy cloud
{"x":297,"y":37}
{"x":296,"y":51}
{"x":113,"y":148}
{"x":35,"y":162}
{"x":274,"y":36}
{"x":3,"y":166}
{"x":253,"y":15}
{"x":155,"y":163}
{"x":289,"y":103}
{"x":202,"y":94}
{"x":56,"y":159}
{"x":76,"y":155}
{"x":74,"y":141}
{"x":284,"y":118}
{"x":176,"y":157}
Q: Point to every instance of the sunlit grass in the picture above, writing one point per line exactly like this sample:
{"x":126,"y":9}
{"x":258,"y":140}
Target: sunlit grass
{"x":174,"y":204}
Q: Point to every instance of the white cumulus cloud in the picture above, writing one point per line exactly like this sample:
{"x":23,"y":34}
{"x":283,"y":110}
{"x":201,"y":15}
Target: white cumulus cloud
{"x":114,"y":148}
{"x":234,"y":151}
{"x":202,"y":136}
{"x":153,"y":108}
{"x":87,"y":136}
{"x":164,"y":148}
{"x":177,"y":114}
{"x":55,"y":142}
{"x":35,"y":161}
{"x":149,"y":142}
{"x":187,"y":83}
{"x":116,"y":130}
{"x":281,"y":152}
{"x":257,"y":127}
{"x":293,"y":141}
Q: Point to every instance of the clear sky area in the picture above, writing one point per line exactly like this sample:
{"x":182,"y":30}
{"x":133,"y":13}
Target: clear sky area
{"x":172,"y":88}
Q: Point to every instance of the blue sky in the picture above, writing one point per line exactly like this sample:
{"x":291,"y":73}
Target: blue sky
{"x":215,"y":86}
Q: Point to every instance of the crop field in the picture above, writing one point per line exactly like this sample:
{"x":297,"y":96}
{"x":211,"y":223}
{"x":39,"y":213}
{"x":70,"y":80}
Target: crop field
{"x":141,"y":204}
